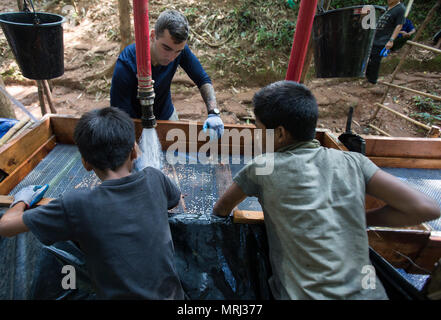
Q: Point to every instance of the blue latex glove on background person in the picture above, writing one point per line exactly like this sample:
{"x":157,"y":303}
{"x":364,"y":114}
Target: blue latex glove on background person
{"x":214,"y":125}
{"x":30,"y":195}
{"x":384,"y":52}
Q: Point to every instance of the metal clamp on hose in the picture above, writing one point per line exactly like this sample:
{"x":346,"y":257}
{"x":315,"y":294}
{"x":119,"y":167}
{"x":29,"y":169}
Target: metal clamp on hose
{"x":146,"y":96}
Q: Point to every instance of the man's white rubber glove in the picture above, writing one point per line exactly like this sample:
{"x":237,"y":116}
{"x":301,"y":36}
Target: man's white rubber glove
{"x":30,"y":195}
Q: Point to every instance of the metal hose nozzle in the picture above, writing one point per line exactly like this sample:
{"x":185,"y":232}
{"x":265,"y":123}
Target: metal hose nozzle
{"x":146,"y":98}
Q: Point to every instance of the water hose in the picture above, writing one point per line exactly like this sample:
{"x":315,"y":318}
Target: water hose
{"x":146,"y":94}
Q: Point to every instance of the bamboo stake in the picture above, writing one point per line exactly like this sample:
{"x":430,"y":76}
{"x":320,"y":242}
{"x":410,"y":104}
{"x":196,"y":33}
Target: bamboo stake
{"x":379,"y":130}
{"x":422,"y":125}
{"x":416,"y":44}
{"x":12,"y":131}
{"x":438,"y":98}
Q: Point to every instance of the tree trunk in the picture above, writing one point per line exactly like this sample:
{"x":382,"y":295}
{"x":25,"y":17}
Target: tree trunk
{"x":125,"y":28}
{"x":20,"y":5}
{"x":6,"y":107}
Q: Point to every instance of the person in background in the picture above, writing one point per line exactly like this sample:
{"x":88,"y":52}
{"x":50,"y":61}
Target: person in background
{"x":406,"y":33}
{"x":314,"y":202}
{"x":387,"y":30}
{"x":168,"y":50}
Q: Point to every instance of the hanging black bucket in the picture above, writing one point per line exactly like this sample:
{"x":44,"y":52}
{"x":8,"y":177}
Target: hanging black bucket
{"x":342,"y":44}
{"x":38,"y":48}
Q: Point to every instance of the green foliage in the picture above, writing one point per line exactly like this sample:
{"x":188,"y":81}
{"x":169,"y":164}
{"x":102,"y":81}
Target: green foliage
{"x":269,"y":24}
{"x":429,"y":110}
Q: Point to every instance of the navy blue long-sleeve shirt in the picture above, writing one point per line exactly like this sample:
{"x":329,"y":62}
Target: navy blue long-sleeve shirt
{"x":124,"y":87}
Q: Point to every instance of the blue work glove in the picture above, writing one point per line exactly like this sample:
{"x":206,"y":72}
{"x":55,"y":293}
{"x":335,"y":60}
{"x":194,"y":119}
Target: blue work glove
{"x":384,"y":52}
{"x":30,"y":195}
{"x":215,"y":126}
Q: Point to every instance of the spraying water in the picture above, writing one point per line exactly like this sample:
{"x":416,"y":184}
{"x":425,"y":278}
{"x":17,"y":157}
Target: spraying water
{"x":151,"y":150}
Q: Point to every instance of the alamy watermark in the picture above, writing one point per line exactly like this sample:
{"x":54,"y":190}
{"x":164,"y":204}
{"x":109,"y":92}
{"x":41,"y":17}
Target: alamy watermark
{"x":369,"y":281}
{"x":369,"y":21}
{"x":69,"y":281}
{"x":234,"y":146}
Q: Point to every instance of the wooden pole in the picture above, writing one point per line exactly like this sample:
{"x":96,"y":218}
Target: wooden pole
{"x":379,"y":130}
{"x":422,"y":125}
{"x":48,"y":93}
{"x":433,"y":97}
{"x":406,"y":51}
{"x":416,"y":44}
{"x":41,"y":97}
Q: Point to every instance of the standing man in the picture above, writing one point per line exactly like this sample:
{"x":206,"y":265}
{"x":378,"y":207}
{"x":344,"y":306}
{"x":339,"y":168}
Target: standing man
{"x":388,"y":27}
{"x":168,"y":50}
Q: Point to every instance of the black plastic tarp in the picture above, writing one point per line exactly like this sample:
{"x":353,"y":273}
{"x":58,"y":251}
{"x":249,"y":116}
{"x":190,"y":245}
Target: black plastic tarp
{"x":215,"y":258}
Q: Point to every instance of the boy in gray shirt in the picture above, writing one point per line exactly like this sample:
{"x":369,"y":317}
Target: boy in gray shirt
{"x":314,"y":202}
{"x":121,"y":225}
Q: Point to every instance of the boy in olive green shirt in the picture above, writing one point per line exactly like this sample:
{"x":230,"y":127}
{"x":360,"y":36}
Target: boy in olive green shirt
{"x":313,"y":202}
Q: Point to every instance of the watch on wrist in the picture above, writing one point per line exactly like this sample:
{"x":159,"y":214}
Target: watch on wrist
{"x":214,"y":111}
{"x":392,"y":39}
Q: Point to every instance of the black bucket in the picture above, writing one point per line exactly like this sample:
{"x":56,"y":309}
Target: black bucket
{"x":38,"y":48}
{"x":341,"y":45}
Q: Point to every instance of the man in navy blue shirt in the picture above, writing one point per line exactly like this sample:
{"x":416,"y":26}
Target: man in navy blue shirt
{"x":168,"y":50}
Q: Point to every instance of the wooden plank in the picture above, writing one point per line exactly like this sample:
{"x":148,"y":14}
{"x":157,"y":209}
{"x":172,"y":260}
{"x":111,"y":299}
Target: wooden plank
{"x":188,"y":133}
{"x":246,"y":216}
{"x":63,"y":127}
{"x":329,"y":141}
{"x":400,"y":147}
{"x":6,"y":201}
{"x":429,"y":255}
{"x":398,"y":246}
{"x":13,"y":154}
{"x":409,"y":163}
{"x":26,"y":166}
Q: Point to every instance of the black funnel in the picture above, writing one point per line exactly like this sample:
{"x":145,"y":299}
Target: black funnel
{"x":350,"y":140}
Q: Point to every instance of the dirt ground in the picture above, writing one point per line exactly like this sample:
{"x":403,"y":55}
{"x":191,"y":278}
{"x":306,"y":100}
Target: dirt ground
{"x":88,"y":51}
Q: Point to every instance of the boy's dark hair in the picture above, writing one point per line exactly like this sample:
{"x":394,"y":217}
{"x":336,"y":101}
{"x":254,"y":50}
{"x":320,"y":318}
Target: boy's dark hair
{"x":290,"y":105}
{"x":105,"y":137}
{"x":175,"y":22}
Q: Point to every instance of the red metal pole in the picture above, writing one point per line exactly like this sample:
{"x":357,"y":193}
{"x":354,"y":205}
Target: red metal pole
{"x":141,"y":20}
{"x":302,"y":34}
